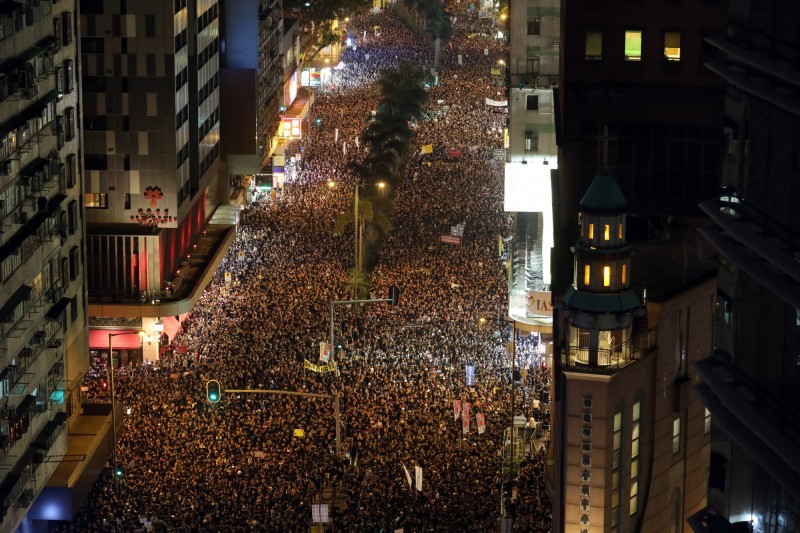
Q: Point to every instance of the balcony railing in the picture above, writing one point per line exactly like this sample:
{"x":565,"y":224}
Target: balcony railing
{"x":610,"y":359}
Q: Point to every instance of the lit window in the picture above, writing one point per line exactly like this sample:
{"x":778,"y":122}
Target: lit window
{"x":594,"y":45}
{"x":636,"y":411}
{"x":95,"y":200}
{"x":672,"y":46}
{"x":606,"y":276}
{"x":676,"y":435}
{"x":633,"y":45}
{"x":591,"y":231}
{"x":619,"y":231}
{"x":624,"y":273}
{"x":607,"y":232}
{"x":634,"y":468}
{"x":587,"y":273}
{"x":634,"y":497}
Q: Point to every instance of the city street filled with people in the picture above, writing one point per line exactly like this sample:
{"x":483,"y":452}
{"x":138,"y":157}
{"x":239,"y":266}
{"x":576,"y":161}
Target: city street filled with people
{"x":259,"y":462}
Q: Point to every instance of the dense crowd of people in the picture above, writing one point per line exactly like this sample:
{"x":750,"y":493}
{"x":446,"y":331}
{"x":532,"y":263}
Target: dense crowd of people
{"x":258,"y":462}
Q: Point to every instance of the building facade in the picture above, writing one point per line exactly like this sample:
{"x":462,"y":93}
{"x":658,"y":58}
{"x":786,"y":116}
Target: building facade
{"x":637,"y":69}
{"x":43,"y":353}
{"x":750,"y":384}
{"x":631,"y":444}
{"x":531,"y":72}
{"x":151,"y":119}
{"x":270,"y":77}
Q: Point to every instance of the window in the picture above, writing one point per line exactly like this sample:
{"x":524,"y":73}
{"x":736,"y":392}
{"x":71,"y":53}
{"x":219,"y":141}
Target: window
{"x":532,"y":102}
{"x":682,"y":341}
{"x":72,"y":217}
{"x":66,"y":27}
{"x":633,"y":45}
{"x":69,"y":83}
{"x":624,"y":277}
{"x":70,"y":169}
{"x":725,"y":308}
{"x":149,"y":25}
{"x":60,"y":138}
{"x":531,"y":141}
{"x":57,"y":24}
{"x":127,"y":200}
{"x":95,"y":162}
{"x":534,"y":26}
{"x":594,"y":45}
{"x":676,"y":435}
{"x":95,"y":200}
{"x":619,"y":231}
{"x":606,"y":232}
{"x":59,"y":83}
{"x":69,"y":123}
{"x":606,"y":276}
{"x":587,"y":274}
{"x":635,"y":414}
{"x":672,"y":45}
{"x":707,"y":422}
{"x":532,"y":64}
{"x":616,"y":472}
{"x":591,"y":231}
{"x":74,"y":263}
{"x":73,"y":309}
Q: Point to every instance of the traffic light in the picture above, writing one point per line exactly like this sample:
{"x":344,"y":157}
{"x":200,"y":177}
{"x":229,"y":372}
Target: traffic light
{"x":394,"y":294}
{"x":213,"y":390}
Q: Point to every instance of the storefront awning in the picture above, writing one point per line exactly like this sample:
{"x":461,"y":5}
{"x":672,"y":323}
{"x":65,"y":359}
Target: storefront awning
{"x":172,"y":325}
{"x":98,"y":339}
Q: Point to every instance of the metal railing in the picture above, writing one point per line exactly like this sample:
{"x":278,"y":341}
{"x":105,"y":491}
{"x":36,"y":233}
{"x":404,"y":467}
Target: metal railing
{"x":610,"y":359}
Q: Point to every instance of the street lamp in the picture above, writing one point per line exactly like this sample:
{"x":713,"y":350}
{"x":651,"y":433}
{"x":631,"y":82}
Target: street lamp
{"x":117,"y":471}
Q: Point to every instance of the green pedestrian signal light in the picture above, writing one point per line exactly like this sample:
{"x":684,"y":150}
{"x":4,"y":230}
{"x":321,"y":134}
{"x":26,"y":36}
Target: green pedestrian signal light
{"x":213,"y":390}
{"x":119,"y":471}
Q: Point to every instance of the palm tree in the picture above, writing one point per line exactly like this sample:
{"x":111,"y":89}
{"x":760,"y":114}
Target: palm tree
{"x":372,"y":224}
{"x":359,"y":283}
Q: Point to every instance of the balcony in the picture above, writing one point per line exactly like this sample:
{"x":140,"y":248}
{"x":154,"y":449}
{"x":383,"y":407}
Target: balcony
{"x":609,"y":360}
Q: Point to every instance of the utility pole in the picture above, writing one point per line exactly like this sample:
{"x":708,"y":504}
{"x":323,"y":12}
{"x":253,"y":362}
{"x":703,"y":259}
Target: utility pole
{"x":394,"y":299}
{"x":334,"y":397}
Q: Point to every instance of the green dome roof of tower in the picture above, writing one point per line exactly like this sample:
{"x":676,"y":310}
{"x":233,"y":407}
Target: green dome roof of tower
{"x":604,"y":195}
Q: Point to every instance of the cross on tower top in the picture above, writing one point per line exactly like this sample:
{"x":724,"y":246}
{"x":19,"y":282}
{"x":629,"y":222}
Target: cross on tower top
{"x":604,"y":139}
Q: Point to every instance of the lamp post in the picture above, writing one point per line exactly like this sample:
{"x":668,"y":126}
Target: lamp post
{"x":113,"y":402}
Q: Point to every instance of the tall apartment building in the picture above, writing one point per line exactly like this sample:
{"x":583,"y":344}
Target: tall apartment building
{"x":751,"y":383}
{"x":43,"y":352}
{"x":150,"y":93}
{"x":270,"y":79}
{"x":630,"y":444}
{"x":532,"y":156}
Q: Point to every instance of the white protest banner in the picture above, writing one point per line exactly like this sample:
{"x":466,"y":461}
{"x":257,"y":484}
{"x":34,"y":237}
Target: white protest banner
{"x":408,"y":475}
{"x":456,"y":409}
{"x":418,"y":475}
